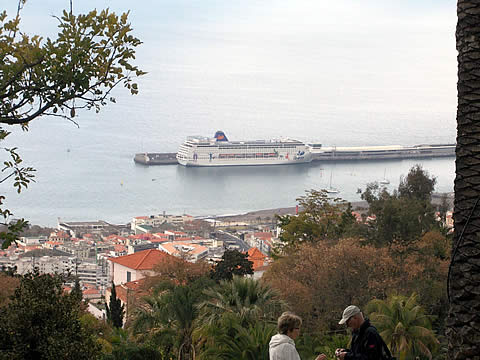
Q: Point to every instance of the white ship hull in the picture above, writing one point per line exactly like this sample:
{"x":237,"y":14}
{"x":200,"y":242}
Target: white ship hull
{"x":241,"y":162}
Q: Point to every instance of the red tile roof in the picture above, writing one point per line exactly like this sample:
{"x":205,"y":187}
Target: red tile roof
{"x":263,"y":235}
{"x":160,"y":235}
{"x":358,"y":216}
{"x":158,"y":241}
{"x":142,"y":260}
{"x":51,"y":242}
{"x":256,"y":257}
{"x":119,"y":248}
{"x":116,"y":238}
{"x":254,"y":253}
{"x":135,"y":286}
{"x":59,"y":234}
{"x":146,"y":236}
{"x":91,"y":292}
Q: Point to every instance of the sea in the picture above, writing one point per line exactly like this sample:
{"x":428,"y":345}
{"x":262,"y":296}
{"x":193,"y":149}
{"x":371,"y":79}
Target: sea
{"x":343,"y":73}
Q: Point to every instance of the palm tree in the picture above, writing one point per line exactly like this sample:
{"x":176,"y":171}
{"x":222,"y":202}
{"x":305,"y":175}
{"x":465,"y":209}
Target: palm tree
{"x":247,"y":344}
{"x":122,"y":347}
{"x":244,"y":298}
{"x":404,"y":326}
{"x":167,"y":319}
{"x":233,"y":308}
{"x":464,"y":287}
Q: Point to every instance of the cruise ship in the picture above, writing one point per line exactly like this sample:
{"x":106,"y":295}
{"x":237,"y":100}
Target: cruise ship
{"x":219,"y":151}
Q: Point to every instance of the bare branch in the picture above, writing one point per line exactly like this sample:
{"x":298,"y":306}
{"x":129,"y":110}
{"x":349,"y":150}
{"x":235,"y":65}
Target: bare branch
{"x":64,"y":117}
{"x":5,"y":178}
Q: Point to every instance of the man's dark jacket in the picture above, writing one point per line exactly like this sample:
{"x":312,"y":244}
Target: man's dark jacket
{"x":366,"y":344}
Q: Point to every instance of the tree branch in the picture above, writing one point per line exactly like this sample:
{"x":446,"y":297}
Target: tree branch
{"x":5,"y":178}
{"x":15,"y":77}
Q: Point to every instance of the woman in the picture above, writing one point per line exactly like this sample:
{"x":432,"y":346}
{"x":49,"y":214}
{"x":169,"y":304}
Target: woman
{"x":282,"y":345}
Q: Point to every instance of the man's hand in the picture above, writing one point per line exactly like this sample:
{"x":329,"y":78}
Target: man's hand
{"x":340,"y":354}
{"x":321,"y":357}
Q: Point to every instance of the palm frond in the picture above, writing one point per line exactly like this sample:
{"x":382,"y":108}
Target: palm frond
{"x":403,"y":325}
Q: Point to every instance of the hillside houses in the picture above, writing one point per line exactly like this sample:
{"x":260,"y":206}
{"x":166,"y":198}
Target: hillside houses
{"x":98,"y":252}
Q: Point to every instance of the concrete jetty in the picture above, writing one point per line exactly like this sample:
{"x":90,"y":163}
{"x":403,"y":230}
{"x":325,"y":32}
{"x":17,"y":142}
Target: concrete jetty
{"x":156,"y":158}
{"x":320,"y":153}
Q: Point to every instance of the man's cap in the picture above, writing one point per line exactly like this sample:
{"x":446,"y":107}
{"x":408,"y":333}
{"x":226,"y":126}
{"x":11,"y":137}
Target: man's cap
{"x":348,"y":313}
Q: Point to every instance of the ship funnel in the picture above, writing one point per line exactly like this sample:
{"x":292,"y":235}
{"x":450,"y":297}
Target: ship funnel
{"x":220,"y":136}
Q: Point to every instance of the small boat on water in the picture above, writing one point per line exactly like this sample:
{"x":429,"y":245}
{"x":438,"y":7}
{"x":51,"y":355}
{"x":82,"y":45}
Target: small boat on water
{"x":384,"y":181}
{"x":331,"y":190}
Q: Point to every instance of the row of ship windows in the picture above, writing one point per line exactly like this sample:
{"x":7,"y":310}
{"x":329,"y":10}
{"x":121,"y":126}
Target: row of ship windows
{"x":247,"y":156}
{"x":245,"y":151}
{"x":245,"y":147}
{"x":233,"y":156}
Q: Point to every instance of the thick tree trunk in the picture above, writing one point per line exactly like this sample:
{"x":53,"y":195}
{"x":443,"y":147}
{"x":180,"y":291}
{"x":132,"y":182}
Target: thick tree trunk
{"x":464,"y":317}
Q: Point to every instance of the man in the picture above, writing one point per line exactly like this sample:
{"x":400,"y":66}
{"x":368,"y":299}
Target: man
{"x":367,"y":343}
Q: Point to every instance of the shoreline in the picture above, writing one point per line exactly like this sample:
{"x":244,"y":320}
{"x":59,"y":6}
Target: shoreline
{"x":360,"y":206}
{"x":264,"y":213}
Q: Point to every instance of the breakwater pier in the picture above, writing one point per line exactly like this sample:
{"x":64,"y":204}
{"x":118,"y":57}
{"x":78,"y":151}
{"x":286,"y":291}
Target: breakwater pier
{"x":156,"y":158}
{"x":334,"y":153}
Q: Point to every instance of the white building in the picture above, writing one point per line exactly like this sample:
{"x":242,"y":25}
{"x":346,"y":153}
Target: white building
{"x":185,"y":250}
{"x":87,"y":272}
{"x":124,"y":269}
{"x":153,"y":221}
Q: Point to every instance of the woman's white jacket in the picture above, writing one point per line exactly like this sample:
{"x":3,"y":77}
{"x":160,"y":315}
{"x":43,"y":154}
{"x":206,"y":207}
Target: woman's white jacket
{"x":282,"y":347}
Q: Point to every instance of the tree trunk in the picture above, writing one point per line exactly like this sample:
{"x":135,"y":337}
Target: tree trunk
{"x":464,"y":317}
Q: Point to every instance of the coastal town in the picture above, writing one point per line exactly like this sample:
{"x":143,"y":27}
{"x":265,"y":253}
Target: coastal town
{"x":97,"y":253}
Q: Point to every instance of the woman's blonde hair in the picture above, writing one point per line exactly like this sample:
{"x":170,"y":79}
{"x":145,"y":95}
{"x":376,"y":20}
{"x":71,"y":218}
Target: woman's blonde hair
{"x":287,"y":322}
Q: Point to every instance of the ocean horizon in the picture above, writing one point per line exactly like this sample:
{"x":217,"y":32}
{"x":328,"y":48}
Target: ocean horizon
{"x":341,"y":74}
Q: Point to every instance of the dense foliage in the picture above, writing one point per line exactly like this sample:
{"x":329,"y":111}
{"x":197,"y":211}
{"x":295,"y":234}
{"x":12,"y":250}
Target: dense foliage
{"x":78,"y":69}
{"x":321,"y":218}
{"x":403,"y":215}
{"x":42,"y":322}
{"x":404,"y":326}
{"x":233,"y":262}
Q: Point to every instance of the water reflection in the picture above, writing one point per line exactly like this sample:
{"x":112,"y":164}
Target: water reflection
{"x":243,"y":172}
